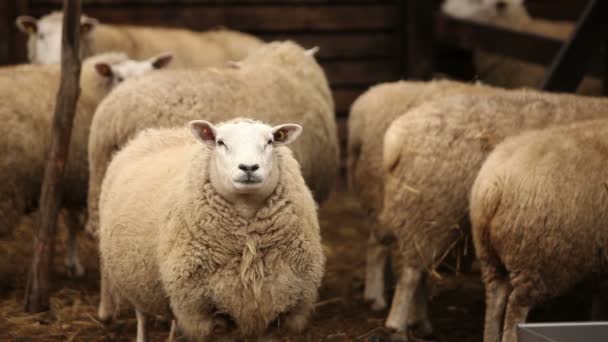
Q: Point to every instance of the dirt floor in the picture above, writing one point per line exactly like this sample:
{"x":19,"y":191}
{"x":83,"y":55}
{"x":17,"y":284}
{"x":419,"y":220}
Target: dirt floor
{"x":341,"y":314}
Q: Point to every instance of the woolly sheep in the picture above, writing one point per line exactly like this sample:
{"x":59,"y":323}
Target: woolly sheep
{"x":511,"y":14}
{"x":370,"y":116}
{"x":538,"y":214}
{"x":192,"y":49}
{"x":278,"y":82}
{"x":431,"y":155}
{"x":220,"y":232}
{"x":26,"y":128}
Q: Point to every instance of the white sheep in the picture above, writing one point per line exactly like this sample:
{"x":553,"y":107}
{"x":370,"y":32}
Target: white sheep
{"x":28,"y":100}
{"x":505,"y":71}
{"x":279,"y":82}
{"x":370,"y":116}
{"x":213,"y":231}
{"x":539,"y":218}
{"x":430,"y":159}
{"x":192,"y":49}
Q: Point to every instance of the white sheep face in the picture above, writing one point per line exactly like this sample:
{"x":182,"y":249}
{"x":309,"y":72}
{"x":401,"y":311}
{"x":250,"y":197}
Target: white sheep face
{"x":468,"y":9}
{"x":119,"y":72}
{"x":243,"y":157}
{"x":44,"y":42}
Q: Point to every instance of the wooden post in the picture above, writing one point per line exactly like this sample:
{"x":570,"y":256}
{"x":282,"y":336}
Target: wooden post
{"x":419,"y":39}
{"x":569,"y":66}
{"x":39,"y":278}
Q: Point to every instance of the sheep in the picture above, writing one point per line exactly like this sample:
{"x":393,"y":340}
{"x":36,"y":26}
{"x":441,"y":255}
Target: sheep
{"x":505,"y":71}
{"x":214,"y":229}
{"x":370,"y":116}
{"x":538,"y":216}
{"x":192,"y":49}
{"x":279,"y":82}
{"x":431,"y":155}
{"x":28,"y":97}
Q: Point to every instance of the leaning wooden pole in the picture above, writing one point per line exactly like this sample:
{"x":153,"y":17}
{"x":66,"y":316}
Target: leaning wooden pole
{"x":39,"y":278}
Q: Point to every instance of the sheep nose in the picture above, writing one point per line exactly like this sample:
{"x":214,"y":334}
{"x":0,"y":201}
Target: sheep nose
{"x":249,"y":168}
{"x":501,"y":6}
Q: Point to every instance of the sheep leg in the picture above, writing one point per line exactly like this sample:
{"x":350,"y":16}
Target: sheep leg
{"x":377,"y":257}
{"x":194,"y":324}
{"x":11,"y":209}
{"x":418,"y":320}
{"x":142,"y":326}
{"x":72,"y":260}
{"x":106,"y":307}
{"x":172,"y":332}
{"x":95,"y":179}
{"x":517,"y":312}
{"x":403,"y":299}
{"x":297,"y":318}
{"x":497,"y":292}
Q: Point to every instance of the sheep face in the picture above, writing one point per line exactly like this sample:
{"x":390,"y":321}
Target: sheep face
{"x":129,"y":68}
{"x":242,"y":153}
{"x":467,"y":9}
{"x":44,"y":42}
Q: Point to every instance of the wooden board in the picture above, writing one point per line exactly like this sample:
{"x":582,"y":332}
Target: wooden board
{"x":254,"y":19}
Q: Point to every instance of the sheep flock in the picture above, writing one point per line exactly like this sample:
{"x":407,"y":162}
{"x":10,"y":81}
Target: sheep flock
{"x":203,"y":195}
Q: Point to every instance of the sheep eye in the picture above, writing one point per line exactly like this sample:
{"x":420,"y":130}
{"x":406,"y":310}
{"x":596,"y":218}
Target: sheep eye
{"x":119,"y":79}
{"x":270,"y":142}
{"x":221,"y":143}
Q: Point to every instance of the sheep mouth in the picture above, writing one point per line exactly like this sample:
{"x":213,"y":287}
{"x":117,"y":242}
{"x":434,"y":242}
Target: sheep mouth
{"x":248,"y":180}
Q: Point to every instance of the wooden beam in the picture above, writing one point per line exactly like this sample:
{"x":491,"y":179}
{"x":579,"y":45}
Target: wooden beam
{"x":571,"y":63}
{"x":255,"y":19}
{"x":471,"y":35}
{"x":419,"y":39}
{"x":39,"y":278}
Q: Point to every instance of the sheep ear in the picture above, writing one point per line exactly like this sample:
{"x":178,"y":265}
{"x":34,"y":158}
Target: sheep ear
{"x":27,"y":24}
{"x":104,"y":69}
{"x":203,"y":131}
{"x":313,"y":51}
{"x":162,"y":60}
{"x":87,"y":25}
{"x":285,"y":134}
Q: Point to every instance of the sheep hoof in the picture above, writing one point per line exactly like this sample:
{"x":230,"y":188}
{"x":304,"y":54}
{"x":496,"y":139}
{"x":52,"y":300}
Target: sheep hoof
{"x":104,"y":314}
{"x":378,"y":304}
{"x":399,"y":336}
{"x":296,"y":323}
{"x":422,"y":330}
{"x":74,"y":269}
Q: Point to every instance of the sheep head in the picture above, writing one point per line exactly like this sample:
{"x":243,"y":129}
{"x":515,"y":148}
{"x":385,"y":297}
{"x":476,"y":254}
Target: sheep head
{"x":243,"y":159}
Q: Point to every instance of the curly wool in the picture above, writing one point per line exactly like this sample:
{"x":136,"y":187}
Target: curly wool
{"x":538,"y":214}
{"x":432,"y":155}
{"x":26,"y":127}
{"x":190,"y":48}
{"x":201,"y":255}
{"x":370,"y":116}
{"x":276,"y":84}
{"x":544,"y":192}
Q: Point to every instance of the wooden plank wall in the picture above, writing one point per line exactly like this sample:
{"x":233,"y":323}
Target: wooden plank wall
{"x":359,"y":39}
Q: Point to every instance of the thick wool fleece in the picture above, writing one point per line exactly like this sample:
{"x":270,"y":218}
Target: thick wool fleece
{"x":370,"y":116}
{"x":28,"y":101}
{"x":278,"y":83}
{"x":433,"y":153}
{"x":538,"y":213}
{"x":190,"y":48}
{"x":168,"y":240}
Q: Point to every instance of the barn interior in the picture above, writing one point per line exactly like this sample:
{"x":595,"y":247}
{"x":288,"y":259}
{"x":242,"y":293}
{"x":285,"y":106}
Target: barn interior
{"x":361,"y":43}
